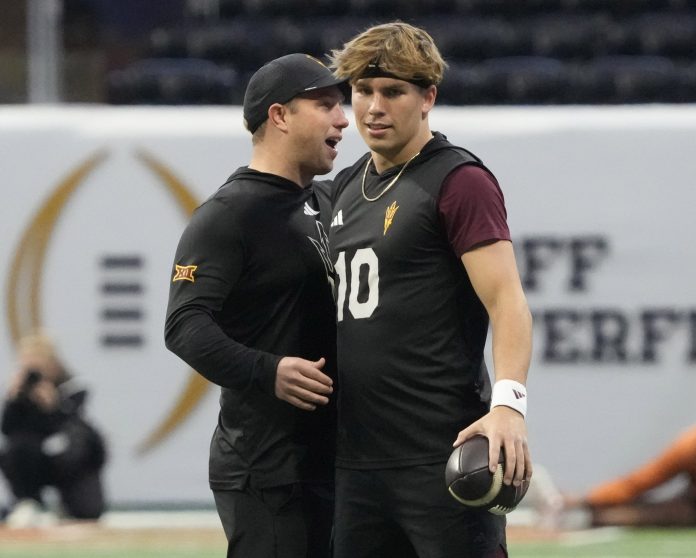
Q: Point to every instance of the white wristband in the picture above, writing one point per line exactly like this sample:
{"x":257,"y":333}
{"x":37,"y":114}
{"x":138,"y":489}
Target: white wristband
{"x":510,"y":394}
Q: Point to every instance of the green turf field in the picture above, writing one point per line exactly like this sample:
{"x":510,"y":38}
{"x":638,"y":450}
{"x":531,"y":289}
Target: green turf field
{"x":95,"y":542}
{"x":607,"y":543}
{"x":613,"y":543}
{"x":126,"y":552}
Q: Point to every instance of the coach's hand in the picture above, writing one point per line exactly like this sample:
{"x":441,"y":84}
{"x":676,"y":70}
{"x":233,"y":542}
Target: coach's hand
{"x":504,"y":427}
{"x":301,"y":383}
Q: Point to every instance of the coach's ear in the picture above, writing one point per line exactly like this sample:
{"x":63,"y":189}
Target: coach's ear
{"x":277,"y":116}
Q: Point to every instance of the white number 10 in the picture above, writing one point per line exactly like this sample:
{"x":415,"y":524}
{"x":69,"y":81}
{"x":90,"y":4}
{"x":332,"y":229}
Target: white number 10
{"x":362,"y":257}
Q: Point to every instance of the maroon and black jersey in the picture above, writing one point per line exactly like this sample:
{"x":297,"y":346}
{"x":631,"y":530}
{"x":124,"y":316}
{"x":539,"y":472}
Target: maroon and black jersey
{"x":250,"y":285}
{"x":411,"y":329}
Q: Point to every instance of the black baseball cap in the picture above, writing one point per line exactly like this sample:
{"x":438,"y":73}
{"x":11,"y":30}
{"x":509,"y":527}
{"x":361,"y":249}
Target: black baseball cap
{"x":281,"y":80}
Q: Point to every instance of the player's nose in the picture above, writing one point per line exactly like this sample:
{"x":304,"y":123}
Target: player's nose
{"x":376,"y":104}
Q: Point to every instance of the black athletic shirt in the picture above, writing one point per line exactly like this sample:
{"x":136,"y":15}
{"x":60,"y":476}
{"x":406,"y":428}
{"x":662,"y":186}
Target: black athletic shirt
{"x":250,"y":285}
{"x":411,"y":330}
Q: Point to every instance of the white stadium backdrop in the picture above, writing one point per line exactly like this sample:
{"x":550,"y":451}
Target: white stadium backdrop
{"x":600,"y":202}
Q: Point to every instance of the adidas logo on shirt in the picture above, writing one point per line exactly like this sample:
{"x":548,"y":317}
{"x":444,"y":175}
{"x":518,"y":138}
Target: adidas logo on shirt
{"x":309,"y":211}
{"x":338,"y":219}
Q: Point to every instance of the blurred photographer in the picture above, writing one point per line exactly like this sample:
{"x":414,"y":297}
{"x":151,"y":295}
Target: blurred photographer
{"x":47,"y":441}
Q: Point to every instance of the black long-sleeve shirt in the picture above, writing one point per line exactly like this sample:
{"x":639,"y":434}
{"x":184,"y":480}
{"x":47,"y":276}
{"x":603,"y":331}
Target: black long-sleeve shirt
{"x":250,"y":285}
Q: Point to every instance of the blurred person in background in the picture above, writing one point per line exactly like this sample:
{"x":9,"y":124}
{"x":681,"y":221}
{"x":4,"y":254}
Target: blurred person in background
{"x":251,"y":309}
{"x":628,"y":500}
{"x":424,"y":260}
{"x":48,"y":442}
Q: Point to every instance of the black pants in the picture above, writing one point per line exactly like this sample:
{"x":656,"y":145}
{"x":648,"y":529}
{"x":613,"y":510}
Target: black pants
{"x":408,"y":513}
{"x":290,"y":521}
{"x":28,"y":469}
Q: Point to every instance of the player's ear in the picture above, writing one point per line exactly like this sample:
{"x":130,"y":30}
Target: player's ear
{"x":429,"y":96}
{"x":277,"y":116}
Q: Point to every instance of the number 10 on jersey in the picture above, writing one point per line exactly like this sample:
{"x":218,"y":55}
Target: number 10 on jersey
{"x":362,"y":274}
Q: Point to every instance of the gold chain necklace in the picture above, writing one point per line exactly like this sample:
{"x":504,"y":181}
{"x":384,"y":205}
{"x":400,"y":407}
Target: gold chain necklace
{"x":389,"y":186}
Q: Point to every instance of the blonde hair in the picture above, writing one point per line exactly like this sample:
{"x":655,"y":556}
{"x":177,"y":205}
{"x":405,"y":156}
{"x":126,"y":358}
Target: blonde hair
{"x":402,"y":50}
{"x":38,"y":350}
{"x":38,"y":343}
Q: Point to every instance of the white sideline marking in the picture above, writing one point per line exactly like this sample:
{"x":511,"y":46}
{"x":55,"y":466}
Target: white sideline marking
{"x":594,"y":535}
{"x":161,"y":519}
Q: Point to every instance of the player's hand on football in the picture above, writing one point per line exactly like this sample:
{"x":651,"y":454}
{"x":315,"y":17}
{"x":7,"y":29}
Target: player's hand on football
{"x":505,"y":428}
{"x":301,"y":383}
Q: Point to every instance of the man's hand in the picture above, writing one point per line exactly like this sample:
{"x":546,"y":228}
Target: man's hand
{"x":504,"y":427}
{"x":17,"y":382}
{"x":45,"y":395}
{"x":42,"y":392}
{"x":301,"y":383}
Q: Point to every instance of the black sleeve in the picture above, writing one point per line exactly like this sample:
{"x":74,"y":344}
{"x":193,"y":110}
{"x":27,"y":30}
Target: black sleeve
{"x":213,"y":243}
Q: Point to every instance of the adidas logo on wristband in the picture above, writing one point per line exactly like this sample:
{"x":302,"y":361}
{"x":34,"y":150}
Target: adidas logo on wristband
{"x":510,"y":393}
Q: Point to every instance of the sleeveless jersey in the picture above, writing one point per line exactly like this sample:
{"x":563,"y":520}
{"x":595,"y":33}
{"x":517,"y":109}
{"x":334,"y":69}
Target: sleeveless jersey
{"x":411,"y":330}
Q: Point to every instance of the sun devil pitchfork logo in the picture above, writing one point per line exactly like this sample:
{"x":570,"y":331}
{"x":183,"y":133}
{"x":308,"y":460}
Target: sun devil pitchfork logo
{"x":389,"y":216}
{"x":23,"y":294}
